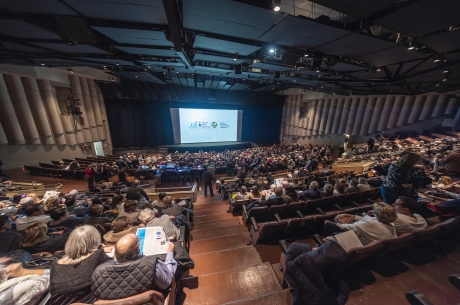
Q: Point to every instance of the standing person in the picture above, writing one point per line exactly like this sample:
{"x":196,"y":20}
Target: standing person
{"x":370,"y":144}
{"x":208,"y":178}
{"x":90,"y":173}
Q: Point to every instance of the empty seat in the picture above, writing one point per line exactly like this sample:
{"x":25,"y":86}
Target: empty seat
{"x":259,"y":213}
{"x":365,"y":253}
{"x":422,"y":237}
{"x":299,"y":227}
{"x":268,"y":231}
{"x":238,"y":205}
{"x":293,"y":207}
{"x":311,"y":206}
{"x":277,"y":209}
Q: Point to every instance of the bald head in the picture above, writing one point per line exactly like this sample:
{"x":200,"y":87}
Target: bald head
{"x":127,"y":248}
{"x":136,"y":182}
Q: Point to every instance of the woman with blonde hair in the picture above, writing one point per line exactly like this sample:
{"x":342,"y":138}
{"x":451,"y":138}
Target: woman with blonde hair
{"x":34,"y":239}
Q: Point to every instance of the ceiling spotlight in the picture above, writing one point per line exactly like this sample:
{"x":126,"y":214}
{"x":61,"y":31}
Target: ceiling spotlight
{"x":117,"y":64}
{"x":411,"y":45}
{"x":438,"y":58}
{"x":276,"y":5}
{"x":317,"y":70}
{"x":135,"y":75}
{"x":437,"y":85}
{"x":446,"y":70}
{"x":236,"y":57}
{"x":444,"y":78}
{"x":42,"y":64}
{"x":272,"y":50}
{"x":379,"y":69}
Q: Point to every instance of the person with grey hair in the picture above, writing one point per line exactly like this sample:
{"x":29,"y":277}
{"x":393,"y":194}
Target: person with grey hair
{"x":363,"y":185}
{"x":312,"y":193}
{"x":148,"y":219}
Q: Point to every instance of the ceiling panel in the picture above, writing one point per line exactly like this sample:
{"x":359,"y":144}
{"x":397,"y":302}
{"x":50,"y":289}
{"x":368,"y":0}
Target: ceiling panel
{"x":218,"y":45}
{"x":207,"y":69}
{"x":213,"y":16}
{"x":271,"y":67}
{"x":79,"y":48}
{"x":443,"y":42}
{"x":19,"y":28}
{"x":422,"y":17}
{"x":20,"y":47}
{"x":356,"y":8}
{"x":218,"y":59}
{"x":161,"y":63}
{"x":139,"y":76}
{"x":143,"y":11}
{"x":312,"y":33}
{"x":112,"y":62}
{"x":149,"y":52}
{"x":131,"y":36}
{"x":52,"y":7}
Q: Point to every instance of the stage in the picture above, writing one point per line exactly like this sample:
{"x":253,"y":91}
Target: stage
{"x":358,"y":167}
{"x":195,"y":147}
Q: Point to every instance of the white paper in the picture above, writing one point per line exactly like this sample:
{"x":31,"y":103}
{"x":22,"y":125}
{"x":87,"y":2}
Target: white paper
{"x":348,"y":240}
{"x":153,"y":240}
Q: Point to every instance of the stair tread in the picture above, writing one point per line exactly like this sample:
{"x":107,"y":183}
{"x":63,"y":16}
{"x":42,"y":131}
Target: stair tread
{"x":205,"y":218}
{"x":225,"y":261}
{"x":220,"y":243}
{"x":273,"y":298}
{"x":237,"y":284}
{"x":217,"y":232}
{"x":215,"y":224}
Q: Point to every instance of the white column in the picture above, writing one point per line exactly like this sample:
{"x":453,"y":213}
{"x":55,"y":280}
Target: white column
{"x":405,"y":111}
{"x":337,"y":116}
{"x":453,"y":105}
{"x":82,"y":128}
{"x":319,"y":111}
{"x":352,"y":115}
{"x":376,"y":114}
{"x":389,"y":101}
{"x":3,"y":138}
{"x":10,"y":122}
{"x":55,"y":118}
{"x":370,"y":105}
{"x":22,"y":109}
{"x":283,"y":121}
{"x":344,"y":117}
{"x":96,"y":109}
{"x":416,"y":109}
{"x":330,"y":117}
{"x":428,"y":107}
{"x":89,"y":109}
{"x":359,"y":115}
{"x":396,"y":111}
{"x":324,"y":116}
{"x":38,"y":110}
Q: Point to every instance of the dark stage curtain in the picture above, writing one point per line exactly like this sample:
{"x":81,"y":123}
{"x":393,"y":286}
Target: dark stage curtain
{"x":135,"y":123}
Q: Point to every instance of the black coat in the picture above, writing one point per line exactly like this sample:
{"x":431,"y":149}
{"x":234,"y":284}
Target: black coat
{"x":316,"y":275}
{"x":207,"y":177}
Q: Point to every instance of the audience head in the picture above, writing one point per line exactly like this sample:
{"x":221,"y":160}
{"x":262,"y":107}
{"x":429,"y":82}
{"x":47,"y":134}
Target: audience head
{"x":167,"y":201}
{"x":97,"y":200}
{"x":69,"y":201}
{"x":445,"y":180}
{"x":314,"y":185}
{"x":116,"y":200}
{"x":58,"y":213}
{"x":290,"y":191}
{"x":384,"y":212}
{"x":130,"y":206}
{"x":96,"y":210}
{"x":34,"y":196}
{"x":255,"y":190}
{"x":353,"y":182}
{"x":73,"y":193}
{"x":120,"y":224}
{"x":279,"y":191}
{"x":340,"y":188}
{"x":136,"y":183}
{"x":82,"y":241}
{"x":5,"y":221}
{"x":161,"y":195}
{"x":405,"y":205}
{"x":409,"y":159}
{"x":146,"y":215}
{"x":328,"y":189}
{"x":362,"y":180}
{"x":34,"y":234}
{"x":243,"y":190}
{"x":33,"y":210}
{"x":127,"y":248}
{"x":26,"y":201}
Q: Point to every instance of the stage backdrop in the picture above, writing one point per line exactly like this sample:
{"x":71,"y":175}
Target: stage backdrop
{"x":135,"y":123}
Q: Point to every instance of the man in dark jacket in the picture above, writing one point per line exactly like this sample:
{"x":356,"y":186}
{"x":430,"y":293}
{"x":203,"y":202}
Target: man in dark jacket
{"x":315,"y":276}
{"x":207,"y":179}
{"x":312,"y":193}
{"x":135,"y":192}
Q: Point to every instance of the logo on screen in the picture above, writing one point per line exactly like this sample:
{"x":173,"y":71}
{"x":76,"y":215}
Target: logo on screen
{"x":194,"y":125}
{"x":224,"y":125}
{"x":214,"y":124}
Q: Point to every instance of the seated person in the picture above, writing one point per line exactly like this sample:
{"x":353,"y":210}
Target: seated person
{"x":120,"y":227}
{"x":34,"y":239}
{"x":363,"y":185}
{"x":74,"y":208}
{"x":407,"y":220}
{"x":149,"y":219}
{"x":60,"y":217}
{"x":95,"y":216}
{"x":339,"y":189}
{"x":316,"y":178}
{"x":291,"y":193}
{"x":34,"y":214}
{"x":9,"y":240}
{"x":130,"y":262}
{"x":136,"y":192}
{"x":243,"y":194}
{"x":327,"y":190}
{"x":170,"y":208}
{"x":130,"y":210}
{"x":367,"y":228}
{"x":51,"y":203}
{"x":277,"y":200}
{"x":353,"y":186}
{"x":312,"y":193}
{"x":255,"y":193}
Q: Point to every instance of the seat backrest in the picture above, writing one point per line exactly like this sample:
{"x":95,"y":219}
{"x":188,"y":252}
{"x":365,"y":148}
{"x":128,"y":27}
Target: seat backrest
{"x":256,"y":211}
{"x":277,"y":209}
{"x":296,"y":206}
{"x":300,"y":225}
{"x":365,"y":252}
{"x":427,"y":234}
{"x":344,"y":200}
{"x":311,"y":205}
{"x":328,"y":202}
{"x":150,"y":297}
{"x":271,"y":231}
{"x":398,"y":242}
{"x":449,"y":225}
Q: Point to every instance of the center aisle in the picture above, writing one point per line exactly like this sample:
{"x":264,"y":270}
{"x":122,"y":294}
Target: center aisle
{"x":228,"y":267}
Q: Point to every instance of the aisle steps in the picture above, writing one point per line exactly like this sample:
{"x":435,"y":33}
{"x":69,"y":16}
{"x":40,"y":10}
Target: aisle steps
{"x":220,"y":243}
{"x":219,"y":232}
{"x":282,"y":297}
{"x":215,"y":224}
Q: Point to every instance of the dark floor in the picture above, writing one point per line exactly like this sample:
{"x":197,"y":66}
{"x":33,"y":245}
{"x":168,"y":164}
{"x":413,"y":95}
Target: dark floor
{"x":230,"y":268}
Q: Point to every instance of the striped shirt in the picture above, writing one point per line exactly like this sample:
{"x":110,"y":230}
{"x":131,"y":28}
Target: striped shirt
{"x":452,"y":163}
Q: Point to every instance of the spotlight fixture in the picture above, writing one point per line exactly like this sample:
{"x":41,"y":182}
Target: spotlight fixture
{"x":135,"y":75}
{"x":276,"y":5}
{"x":437,"y":85}
{"x":317,"y":70}
{"x":236,"y":57}
{"x":272,"y":50}
{"x":444,"y":79}
{"x":379,"y":69}
{"x":446,"y":70}
{"x":411,"y":45}
{"x":438,"y":58}
{"x":42,"y":64}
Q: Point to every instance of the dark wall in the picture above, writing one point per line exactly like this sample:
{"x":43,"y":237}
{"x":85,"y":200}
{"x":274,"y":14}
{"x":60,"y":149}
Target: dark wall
{"x":135,"y":123}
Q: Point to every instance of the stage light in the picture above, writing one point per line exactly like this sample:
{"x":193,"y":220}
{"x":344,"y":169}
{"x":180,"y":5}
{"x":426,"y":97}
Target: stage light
{"x":276,"y":5}
{"x":437,"y":85}
{"x":444,"y":78}
{"x":236,"y":57}
{"x":379,"y":69}
{"x":117,"y":64}
{"x":42,"y":64}
{"x":272,"y":50}
{"x":438,"y":58}
{"x":446,"y":70}
{"x":411,"y":45}
{"x":135,"y":75}
{"x":317,"y":70}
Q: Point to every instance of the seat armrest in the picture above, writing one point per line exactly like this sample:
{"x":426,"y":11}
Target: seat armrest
{"x":415,"y":297}
{"x":339,"y":207}
{"x":370,"y":200}
{"x":318,"y":240}
{"x":283,"y":246}
{"x":300,"y":214}
{"x":454,"y":279}
{"x":277,"y":217}
{"x":356,"y":204}
{"x":321,"y":211}
{"x":254,"y":224}
{"x":244,"y":209}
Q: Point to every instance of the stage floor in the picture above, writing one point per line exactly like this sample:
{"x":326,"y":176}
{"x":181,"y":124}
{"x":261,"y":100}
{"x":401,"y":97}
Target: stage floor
{"x":195,"y":147}
{"x":358,"y":167}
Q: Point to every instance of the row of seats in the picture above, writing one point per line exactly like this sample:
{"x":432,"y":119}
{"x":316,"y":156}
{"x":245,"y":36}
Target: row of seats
{"x":41,"y":171}
{"x":302,"y":225}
